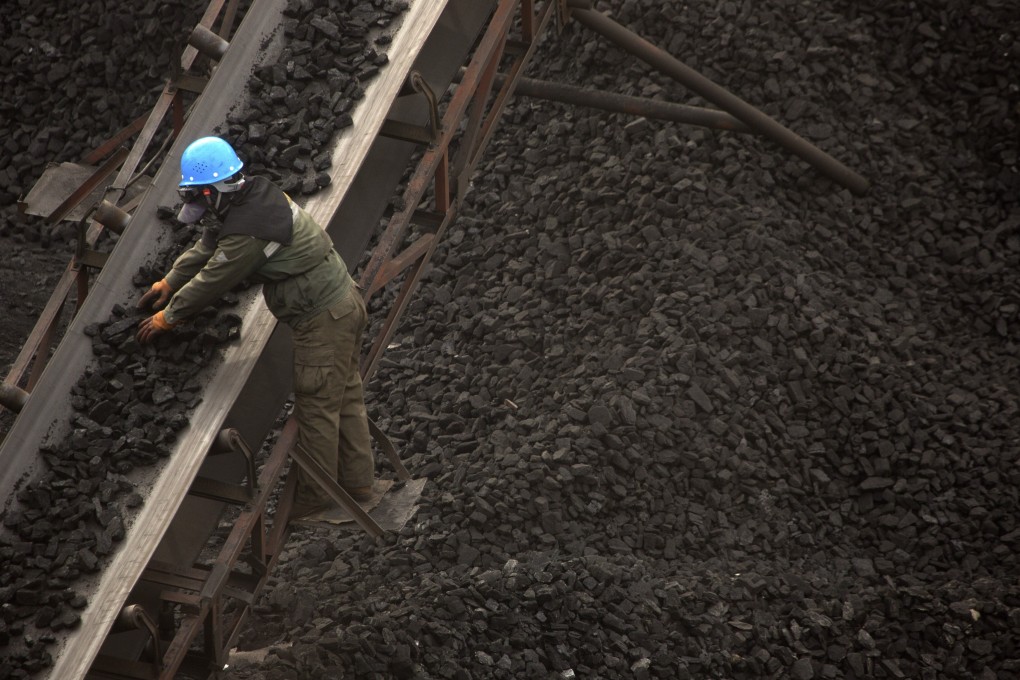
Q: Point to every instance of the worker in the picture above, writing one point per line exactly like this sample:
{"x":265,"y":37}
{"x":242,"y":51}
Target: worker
{"x":265,"y":237}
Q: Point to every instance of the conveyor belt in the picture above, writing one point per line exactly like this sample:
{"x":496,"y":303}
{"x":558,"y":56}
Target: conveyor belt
{"x":248,"y":388}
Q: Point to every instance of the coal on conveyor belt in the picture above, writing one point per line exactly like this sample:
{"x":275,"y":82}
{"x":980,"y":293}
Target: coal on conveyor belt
{"x":64,"y":526}
{"x":134,"y":399}
{"x":689,"y":410}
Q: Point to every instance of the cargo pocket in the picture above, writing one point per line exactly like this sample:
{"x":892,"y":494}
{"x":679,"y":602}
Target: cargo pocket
{"x":343,"y":308}
{"x":311,"y":370}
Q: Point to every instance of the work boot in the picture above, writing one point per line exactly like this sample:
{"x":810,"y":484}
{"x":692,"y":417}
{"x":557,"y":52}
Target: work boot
{"x":361,"y":494}
{"x":305,"y":508}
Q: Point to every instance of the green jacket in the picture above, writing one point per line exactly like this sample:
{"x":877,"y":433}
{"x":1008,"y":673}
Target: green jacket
{"x":300,"y":278}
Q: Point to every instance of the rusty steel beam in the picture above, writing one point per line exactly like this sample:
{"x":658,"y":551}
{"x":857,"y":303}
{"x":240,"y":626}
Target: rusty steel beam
{"x":45,"y":343}
{"x":471,"y":98}
{"x":724,"y":99}
{"x":326,"y":481}
{"x":397,"y":264}
{"x":474,"y":137}
{"x":434,"y":156}
{"x":382,"y":339}
{"x":86,"y":188}
{"x":227,"y":22}
{"x":104,"y":149}
{"x":43,"y":328}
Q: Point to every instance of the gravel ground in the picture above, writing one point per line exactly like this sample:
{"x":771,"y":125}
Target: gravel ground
{"x":689,"y":410}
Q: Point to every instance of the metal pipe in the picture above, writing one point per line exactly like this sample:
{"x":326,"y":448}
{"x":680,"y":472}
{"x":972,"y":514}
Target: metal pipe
{"x":619,"y":103}
{"x":751,"y":116}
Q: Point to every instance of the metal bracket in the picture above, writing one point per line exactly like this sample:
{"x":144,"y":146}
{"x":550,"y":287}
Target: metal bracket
{"x":228,"y":440}
{"x":133,"y":617}
{"x":63,"y":187}
{"x":418,"y":134}
{"x":188,"y":82}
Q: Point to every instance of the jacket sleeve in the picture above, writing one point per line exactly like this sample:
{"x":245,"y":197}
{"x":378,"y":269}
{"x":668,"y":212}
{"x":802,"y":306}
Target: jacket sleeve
{"x":191,"y":261}
{"x":235,"y":258}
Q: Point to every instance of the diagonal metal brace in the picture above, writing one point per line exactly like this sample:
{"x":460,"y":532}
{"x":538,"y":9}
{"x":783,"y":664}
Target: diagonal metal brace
{"x":389,"y":449}
{"x":326,"y":482}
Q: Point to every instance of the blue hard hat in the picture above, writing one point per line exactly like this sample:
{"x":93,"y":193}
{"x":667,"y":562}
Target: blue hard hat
{"x":208,"y":160}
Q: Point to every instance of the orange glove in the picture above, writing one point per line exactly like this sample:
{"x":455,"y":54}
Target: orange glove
{"x":157,"y":296}
{"x":149,"y":328}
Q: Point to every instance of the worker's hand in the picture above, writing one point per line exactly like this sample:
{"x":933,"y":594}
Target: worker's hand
{"x":157,"y":296}
{"x":149,"y":328}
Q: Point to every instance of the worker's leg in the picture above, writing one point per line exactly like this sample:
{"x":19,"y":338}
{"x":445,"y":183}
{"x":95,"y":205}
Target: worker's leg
{"x":319,"y":382}
{"x":356,"y":465}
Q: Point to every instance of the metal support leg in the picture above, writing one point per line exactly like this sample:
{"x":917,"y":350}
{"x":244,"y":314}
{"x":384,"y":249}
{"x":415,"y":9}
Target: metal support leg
{"x":619,"y":103}
{"x":699,"y":84}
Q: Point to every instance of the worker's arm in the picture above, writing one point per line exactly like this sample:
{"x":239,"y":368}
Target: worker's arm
{"x":187,"y":265}
{"x":235,"y":258}
{"x":191,"y":261}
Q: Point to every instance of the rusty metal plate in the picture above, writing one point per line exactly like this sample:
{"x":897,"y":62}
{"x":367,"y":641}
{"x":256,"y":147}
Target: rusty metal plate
{"x":59,"y":181}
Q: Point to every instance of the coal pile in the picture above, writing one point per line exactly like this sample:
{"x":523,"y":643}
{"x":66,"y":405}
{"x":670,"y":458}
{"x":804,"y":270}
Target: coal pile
{"x":690,"y":410}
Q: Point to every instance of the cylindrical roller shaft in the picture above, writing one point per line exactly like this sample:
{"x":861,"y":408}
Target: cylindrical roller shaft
{"x":12,"y":397}
{"x":208,"y":43}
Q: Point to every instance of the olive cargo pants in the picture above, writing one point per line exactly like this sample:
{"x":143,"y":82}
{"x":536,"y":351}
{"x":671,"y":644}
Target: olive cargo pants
{"x":329,"y":403}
